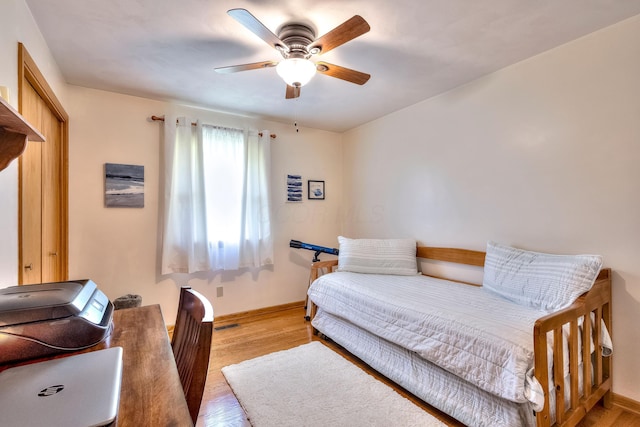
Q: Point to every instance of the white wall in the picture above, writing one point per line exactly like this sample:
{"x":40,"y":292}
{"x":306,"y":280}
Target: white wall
{"x":542,"y":155}
{"x":117,"y":247}
{"x":17,"y":25}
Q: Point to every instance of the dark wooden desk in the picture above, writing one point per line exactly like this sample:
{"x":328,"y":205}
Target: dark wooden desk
{"x":151,"y":393}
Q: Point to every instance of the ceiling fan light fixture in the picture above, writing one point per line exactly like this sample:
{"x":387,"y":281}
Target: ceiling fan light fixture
{"x":296,"y":72}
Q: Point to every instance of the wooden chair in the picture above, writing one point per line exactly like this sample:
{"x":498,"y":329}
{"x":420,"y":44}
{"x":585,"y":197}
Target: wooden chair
{"x":191,"y":344}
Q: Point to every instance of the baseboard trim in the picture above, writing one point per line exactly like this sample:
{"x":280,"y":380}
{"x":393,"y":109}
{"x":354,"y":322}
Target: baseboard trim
{"x":244,"y":315}
{"x":626,"y":403}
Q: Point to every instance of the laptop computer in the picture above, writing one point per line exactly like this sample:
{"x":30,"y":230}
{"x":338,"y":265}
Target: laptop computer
{"x":82,"y":390}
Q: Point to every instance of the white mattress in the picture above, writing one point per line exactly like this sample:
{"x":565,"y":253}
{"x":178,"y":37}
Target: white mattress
{"x":443,"y":390}
{"x":470,"y":332}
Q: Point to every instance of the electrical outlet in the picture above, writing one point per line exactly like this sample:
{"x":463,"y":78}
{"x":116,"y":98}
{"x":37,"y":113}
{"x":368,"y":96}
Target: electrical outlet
{"x":219,"y":291}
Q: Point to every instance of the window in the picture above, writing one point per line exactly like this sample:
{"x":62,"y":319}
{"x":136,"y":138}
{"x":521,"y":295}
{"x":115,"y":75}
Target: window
{"x":224,"y":160}
{"x":217,"y":201}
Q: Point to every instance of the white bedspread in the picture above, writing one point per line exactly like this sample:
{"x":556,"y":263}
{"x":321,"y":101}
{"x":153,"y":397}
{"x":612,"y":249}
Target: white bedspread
{"x":464,"y":329}
{"x":441,"y":389}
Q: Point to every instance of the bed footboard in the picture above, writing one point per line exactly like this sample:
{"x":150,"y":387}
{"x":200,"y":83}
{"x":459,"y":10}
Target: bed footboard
{"x":596,"y":368}
{"x":318,"y":268}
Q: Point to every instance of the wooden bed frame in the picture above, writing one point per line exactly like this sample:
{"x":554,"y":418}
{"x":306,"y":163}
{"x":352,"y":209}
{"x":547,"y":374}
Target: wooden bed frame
{"x":595,"y":366}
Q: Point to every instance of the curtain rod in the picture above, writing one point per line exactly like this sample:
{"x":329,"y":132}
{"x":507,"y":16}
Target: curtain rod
{"x":161,"y":119}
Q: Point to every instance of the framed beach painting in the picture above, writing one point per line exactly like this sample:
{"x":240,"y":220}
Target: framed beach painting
{"x":123,"y":185}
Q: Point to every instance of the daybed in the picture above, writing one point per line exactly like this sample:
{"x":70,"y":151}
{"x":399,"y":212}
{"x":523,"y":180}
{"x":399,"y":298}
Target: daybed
{"x":491,"y":355}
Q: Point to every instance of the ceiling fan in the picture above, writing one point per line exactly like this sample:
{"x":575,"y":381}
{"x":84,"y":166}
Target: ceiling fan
{"x":297,"y":43}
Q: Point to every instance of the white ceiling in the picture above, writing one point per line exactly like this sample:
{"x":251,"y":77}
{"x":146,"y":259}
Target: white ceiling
{"x":168,"y":49}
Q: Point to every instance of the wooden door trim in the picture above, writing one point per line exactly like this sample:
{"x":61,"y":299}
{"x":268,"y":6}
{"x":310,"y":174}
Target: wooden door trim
{"x":29,"y":71}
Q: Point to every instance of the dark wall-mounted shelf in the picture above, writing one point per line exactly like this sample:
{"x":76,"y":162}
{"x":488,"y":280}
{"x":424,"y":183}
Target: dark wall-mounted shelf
{"x":15,"y":131}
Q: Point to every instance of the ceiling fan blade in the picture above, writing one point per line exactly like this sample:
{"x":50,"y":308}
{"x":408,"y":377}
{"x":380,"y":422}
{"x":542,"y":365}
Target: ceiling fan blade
{"x":343,"y":33}
{"x":292,"y":92}
{"x":343,"y":73}
{"x":245,"y":67}
{"x":245,"y":17}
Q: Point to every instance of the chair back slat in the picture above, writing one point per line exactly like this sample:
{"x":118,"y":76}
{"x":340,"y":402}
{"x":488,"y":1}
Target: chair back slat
{"x":191,"y":344}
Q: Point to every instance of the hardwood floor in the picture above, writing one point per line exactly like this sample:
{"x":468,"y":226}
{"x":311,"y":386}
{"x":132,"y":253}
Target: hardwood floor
{"x":262,"y":334}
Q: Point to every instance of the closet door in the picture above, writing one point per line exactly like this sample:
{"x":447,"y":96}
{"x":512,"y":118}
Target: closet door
{"x":43,"y":183}
{"x":53,"y":183}
{"x":30,"y":222}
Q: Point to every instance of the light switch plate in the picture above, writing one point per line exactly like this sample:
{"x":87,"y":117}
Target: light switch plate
{"x":4,"y":93}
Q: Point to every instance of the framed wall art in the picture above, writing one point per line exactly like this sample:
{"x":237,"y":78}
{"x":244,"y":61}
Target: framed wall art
{"x":123,"y":185}
{"x":315,"y":190}
{"x":294,"y":188}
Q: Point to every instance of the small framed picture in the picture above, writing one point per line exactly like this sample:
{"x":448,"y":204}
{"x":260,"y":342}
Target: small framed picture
{"x":315,"y":190}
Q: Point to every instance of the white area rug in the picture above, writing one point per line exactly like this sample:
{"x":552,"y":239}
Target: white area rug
{"x":311,"y":385}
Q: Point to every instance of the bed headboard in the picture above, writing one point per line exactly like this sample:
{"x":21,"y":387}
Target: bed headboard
{"x":458,"y":256}
{"x":466,"y":260}
{"x":469,"y":257}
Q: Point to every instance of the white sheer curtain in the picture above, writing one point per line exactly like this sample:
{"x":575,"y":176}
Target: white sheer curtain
{"x":183,"y":248}
{"x":257,"y":241}
{"x":217,"y":201}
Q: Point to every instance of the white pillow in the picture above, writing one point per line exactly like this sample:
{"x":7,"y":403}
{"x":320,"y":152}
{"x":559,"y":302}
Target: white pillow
{"x":544,"y":281}
{"x":378,"y":256}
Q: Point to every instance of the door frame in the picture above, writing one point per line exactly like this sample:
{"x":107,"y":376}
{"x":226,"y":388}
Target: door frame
{"x":29,"y":71}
